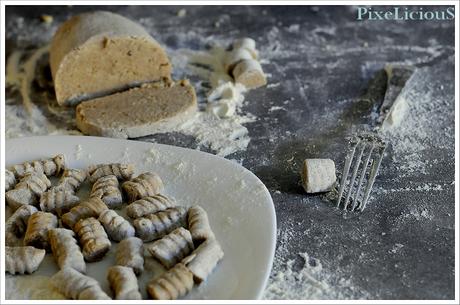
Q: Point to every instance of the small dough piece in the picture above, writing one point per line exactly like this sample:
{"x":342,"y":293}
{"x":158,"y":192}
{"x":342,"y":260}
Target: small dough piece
{"x":16,"y":225}
{"x":121,"y":171}
{"x":58,"y":201}
{"x":65,"y":249}
{"x":116,"y":226}
{"x":149,"y":205}
{"x":155,"y":226}
{"x":123,"y":283}
{"x":248,"y":44}
{"x":234,"y":57}
{"x":50,"y":167}
{"x":37,"y":229}
{"x":107,"y":189}
{"x":171,"y":285}
{"x":198,"y":224}
{"x":95,"y":242}
{"x":74,"y":285}
{"x":250,"y":74}
{"x":92,"y":207}
{"x":98,"y":53}
{"x":130,"y":253}
{"x":28,"y":190}
{"x":10,"y":180}
{"x":71,"y":179}
{"x":318,"y":175}
{"x":204,"y":259}
{"x":172,"y":248}
{"x":23,"y":259}
{"x":138,"y":112}
{"x":144,"y":185}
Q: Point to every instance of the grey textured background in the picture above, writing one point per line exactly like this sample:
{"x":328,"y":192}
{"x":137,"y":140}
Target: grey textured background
{"x":322,"y":69}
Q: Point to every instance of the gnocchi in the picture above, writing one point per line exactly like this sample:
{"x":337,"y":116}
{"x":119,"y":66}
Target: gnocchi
{"x":174,"y":283}
{"x":121,"y":171}
{"x":16,"y":225}
{"x":123,"y":283}
{"x":38,"y":226}
{"x":23,"y":259}
{"x":172,"y":248}
{"x":149,"y":205}
{"x":93,"y":239}
{"x":144,"y":185}
{"x":130,"y":253}
{"x":154,"y":226}
{"x":77,"y":286}
{"x":116,"y":226}
{"x":65,"y":249}
{"x":106,"y":188}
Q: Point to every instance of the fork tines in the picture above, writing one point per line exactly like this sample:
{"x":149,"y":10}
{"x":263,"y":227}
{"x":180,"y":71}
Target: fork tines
{"x":364,"y":158}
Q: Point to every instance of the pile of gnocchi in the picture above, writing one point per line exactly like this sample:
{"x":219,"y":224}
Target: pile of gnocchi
{"x":52,"y":218}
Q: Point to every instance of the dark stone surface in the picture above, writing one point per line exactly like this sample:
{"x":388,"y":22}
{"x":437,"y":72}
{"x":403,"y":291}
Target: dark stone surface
{"x":322,"y":69}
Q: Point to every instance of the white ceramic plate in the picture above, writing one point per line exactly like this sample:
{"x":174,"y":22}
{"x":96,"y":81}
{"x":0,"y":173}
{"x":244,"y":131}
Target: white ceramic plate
{"x":239,"y":206}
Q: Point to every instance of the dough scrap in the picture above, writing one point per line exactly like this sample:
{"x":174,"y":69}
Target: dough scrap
{"x":130,"y":253}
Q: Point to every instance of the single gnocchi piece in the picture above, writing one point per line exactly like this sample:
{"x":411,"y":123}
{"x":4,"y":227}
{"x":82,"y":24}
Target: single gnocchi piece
{"x":107,"y":189}
{"x":74,"y":285}
{"x":249,"y":73}
{"x":71,"y":179}
{"x":123,"y":283}
{"x":93,"y":239}
{"x":172,"y":248}
{"x":149,"y":205}
{"x":91,"y":207}
{"x":20,"y":260}
{"x":28,"y":190}
{"x":235,"y":56}
{"x":16,"y":225}
{"x":204,"y":259}
{"x":121,"y":171}
{"x":198,"y":224}
{"x":116,"y":226}
{"x":318,"y":175}
{"x":50,"y":167}
{"x":144,"y":185}
{"x":10,"y":180}
{"x":38,"y":226}
{"x":130,"y":253}
{"x":155,"y":226}
{"x":246,"y":43}
{"x":65,"y":249}
{"x":171,"y":285}
{"x":58,"y":201}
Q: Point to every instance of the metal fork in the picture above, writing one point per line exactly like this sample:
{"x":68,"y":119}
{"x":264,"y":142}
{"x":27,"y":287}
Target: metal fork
{"x":366,"y":154}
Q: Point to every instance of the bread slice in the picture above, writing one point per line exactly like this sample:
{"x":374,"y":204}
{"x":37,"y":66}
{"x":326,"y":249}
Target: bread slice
{"x":149,"y":109}
{"x":99,"y":53}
